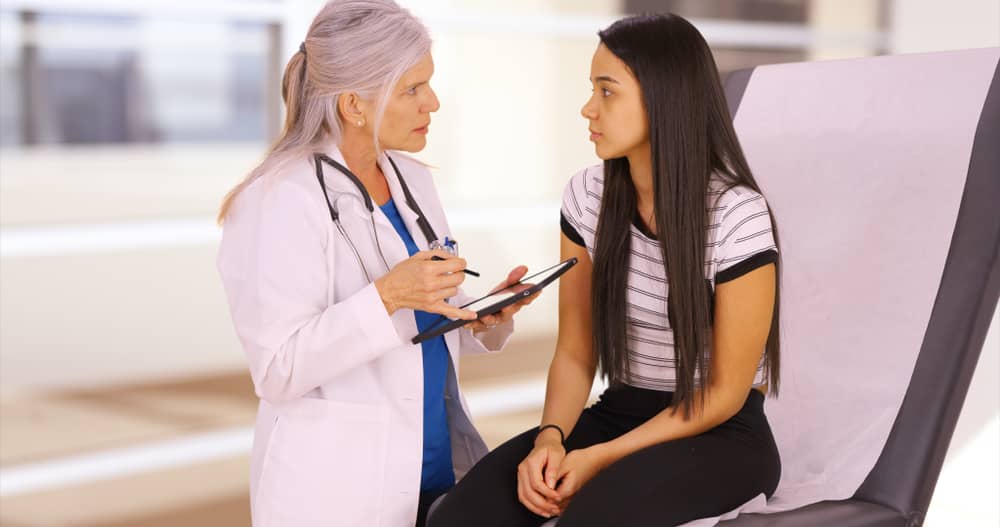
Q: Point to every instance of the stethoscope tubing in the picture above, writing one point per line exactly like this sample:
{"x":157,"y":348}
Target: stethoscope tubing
{"x":425,"y":226}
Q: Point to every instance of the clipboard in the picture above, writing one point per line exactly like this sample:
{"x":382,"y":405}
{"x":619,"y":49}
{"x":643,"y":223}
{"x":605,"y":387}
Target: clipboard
{"x":497,"y":300}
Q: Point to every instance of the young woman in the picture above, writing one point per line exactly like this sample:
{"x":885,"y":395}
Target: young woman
{"x":674,"y":299}
{"x":327,"y":258}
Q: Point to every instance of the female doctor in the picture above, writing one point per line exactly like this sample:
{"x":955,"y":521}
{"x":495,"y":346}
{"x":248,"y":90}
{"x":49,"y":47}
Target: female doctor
{"x":326,"y":259}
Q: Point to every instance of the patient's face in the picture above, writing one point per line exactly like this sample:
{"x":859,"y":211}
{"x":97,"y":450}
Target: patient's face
{"x":615,"y":110}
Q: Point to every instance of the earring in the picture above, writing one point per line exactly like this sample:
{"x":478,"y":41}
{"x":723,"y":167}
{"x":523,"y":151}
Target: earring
{"x":361,"y":123}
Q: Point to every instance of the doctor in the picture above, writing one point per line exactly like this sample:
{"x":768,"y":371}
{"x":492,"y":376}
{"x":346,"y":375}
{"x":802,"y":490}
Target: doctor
{"x":326,"y":259}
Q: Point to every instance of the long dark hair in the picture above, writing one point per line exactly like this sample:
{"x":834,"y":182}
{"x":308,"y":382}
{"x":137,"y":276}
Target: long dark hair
{"x":692,"y":138}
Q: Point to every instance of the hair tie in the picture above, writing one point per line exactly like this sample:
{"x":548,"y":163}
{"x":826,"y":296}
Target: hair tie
{"x":302,"y":48}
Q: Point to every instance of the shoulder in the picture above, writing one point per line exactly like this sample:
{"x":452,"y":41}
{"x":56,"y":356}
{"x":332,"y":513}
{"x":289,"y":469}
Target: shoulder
{"x":590,"y":178}
{"x":581,"y":205}
{"x":288,"y":188}
{"x":743,"y":239}
{"x":728,"y":202}
{"x":583,"y":191}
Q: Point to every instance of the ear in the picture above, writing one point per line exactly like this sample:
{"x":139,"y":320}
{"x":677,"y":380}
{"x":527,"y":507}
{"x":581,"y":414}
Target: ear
{"x":352,"y":108}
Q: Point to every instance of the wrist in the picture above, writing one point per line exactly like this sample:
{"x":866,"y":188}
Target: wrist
{"x":550,"y":434}
{"x":604,"y":453}
{"x":390,"y":306}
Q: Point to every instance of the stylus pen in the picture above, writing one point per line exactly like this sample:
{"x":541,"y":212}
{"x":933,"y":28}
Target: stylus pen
{"x":466,"y":271}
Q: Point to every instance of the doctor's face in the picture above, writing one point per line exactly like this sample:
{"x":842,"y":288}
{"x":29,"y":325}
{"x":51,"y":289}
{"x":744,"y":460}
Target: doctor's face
{"x":617,"y":116}
{"x":408,"y":109}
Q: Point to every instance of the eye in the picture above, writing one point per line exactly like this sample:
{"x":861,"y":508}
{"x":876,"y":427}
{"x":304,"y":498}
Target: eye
{"x":605,"y":92}
{"x":412,"y":90}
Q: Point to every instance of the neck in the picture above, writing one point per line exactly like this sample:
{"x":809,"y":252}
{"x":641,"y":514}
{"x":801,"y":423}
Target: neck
{"x":358,"y":150}
{"x":640,"y":167}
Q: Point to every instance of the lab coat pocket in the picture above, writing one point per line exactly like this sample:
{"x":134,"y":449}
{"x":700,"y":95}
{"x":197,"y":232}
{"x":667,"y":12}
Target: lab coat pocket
{"x":325,"y":465}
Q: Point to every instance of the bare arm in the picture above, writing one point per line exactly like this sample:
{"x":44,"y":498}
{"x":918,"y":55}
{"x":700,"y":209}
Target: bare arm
{"x":571,"y":374}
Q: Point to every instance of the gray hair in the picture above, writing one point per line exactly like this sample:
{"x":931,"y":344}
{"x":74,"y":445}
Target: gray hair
{"x":361,"y":46}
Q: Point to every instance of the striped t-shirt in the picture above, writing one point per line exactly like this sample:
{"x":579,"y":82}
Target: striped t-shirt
{"x":739,"y":240}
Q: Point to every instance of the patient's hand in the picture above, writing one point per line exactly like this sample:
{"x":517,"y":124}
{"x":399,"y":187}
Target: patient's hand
{"x":533,"y":491}
{"x":576,"y":470}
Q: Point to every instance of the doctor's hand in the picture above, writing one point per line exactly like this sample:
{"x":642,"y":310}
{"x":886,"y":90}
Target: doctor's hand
{"x":423,"y":284}
{"x":507,"y":313}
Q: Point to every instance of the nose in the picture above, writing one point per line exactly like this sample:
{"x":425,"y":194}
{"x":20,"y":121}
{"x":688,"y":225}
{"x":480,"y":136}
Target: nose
{"x":589,"y":110}
{"x":435,"y":104}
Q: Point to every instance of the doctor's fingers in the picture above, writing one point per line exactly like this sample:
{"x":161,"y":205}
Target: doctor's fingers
{"x":426,"y":284}
{"x":454,"y":265}
{"x":431,"y":253}
{"x":508,"y":312}
{"x":452,"y":312}
{"x":513,"y":277}
{"x":526,"y":302}
{"x":430,"y":298}
{"x":447,"y":262}
{"x":436,"y":278}
{"x":489,"y":321}
{"x":436,"y":282}
{"x":476,"y":326}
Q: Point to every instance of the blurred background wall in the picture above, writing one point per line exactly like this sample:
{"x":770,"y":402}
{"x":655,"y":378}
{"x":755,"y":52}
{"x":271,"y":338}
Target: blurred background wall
{"x":123,"y":394}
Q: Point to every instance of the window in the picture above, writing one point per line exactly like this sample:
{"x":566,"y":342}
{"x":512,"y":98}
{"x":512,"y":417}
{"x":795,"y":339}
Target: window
{"x":99,"y":79}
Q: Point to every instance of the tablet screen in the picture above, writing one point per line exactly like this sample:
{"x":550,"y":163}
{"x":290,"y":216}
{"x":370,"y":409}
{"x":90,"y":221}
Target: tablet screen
{"x":493,"y":302}
{"x":489,"y":300}
{"x":513,"y":290}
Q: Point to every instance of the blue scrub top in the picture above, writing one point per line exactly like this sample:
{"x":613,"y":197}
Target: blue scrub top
{"x":437,"y":472}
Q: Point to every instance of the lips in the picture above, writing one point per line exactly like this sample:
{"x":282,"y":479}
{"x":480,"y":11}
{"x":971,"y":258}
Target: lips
{"x":423,"y":129}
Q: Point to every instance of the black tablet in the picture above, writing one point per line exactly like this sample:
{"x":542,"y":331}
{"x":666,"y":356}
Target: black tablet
{"x":498,"y":300}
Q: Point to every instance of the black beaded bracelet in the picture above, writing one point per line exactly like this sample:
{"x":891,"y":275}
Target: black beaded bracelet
{"x":562,"y":435}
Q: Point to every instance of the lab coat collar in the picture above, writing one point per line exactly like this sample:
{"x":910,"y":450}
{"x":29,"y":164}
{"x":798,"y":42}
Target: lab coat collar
{"x":339,"y":183}
{"x":335,"y":181}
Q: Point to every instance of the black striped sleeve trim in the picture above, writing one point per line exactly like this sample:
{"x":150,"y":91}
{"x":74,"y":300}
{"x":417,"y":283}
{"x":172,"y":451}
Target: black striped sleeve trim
{"x":569,"y":231}
{"x":754,"y":262}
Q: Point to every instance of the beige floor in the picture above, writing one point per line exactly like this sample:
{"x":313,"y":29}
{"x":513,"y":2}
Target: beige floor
{"x":65,"y":423}
{"x":68,"y":423}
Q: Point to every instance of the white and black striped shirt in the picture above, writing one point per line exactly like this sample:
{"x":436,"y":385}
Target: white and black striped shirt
{"x":739,"y":240}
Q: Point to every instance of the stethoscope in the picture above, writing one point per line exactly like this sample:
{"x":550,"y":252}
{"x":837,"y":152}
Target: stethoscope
{"x":422,"y":223}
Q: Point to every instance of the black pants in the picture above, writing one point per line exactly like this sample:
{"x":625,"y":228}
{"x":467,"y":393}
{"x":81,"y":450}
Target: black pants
{"x":665,"y":484}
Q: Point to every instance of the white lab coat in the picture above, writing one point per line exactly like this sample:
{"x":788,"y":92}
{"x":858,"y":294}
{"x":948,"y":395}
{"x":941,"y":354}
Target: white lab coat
{"x":338,"y":438}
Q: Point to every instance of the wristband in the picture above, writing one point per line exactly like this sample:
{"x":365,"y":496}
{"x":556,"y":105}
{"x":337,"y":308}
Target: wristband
{"x":562,"y":436}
